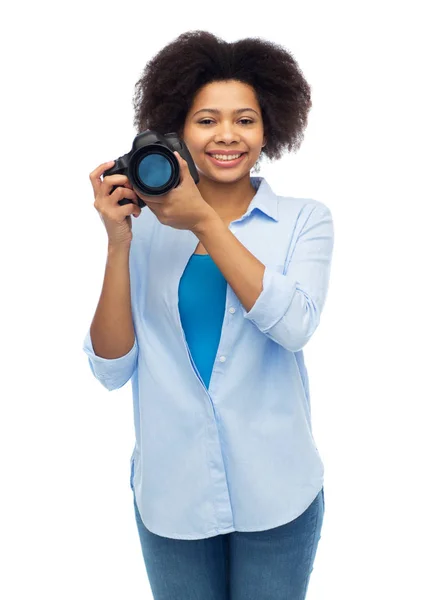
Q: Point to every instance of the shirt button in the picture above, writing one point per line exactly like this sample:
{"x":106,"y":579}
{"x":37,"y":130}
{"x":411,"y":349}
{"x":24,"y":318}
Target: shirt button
{"x":231,"y":310}
{"x":222,"y":358}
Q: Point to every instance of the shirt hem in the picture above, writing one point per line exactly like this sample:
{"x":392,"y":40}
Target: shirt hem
{"x":231,"y":529}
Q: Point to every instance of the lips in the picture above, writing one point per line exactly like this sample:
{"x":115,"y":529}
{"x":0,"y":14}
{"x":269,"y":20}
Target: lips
{"x":226,"y":163}
{"x":223,"y":152}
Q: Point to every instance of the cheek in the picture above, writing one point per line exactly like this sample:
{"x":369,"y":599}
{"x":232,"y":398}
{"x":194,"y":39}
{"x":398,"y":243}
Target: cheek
{"x":196,"y":138}
{"x":197,"y":141}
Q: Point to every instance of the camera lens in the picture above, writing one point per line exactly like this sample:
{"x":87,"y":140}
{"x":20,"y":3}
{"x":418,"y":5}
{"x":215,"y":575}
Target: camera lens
{"x":154,"y":170}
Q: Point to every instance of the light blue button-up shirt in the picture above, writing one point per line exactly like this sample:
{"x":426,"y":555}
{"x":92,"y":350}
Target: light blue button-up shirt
{"x":223,"y":436}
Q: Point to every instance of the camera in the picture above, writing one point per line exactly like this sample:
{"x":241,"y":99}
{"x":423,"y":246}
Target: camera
{"x":151,"y":167}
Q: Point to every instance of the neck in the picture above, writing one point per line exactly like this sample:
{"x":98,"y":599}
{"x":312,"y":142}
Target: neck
{"x":229,"y":199}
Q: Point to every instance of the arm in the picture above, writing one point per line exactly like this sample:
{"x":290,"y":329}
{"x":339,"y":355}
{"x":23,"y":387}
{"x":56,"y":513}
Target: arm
{"x":286,"y":307}
{"x":242,"y":270}
{"x":111,"y":343}
{"x":112,"y":329}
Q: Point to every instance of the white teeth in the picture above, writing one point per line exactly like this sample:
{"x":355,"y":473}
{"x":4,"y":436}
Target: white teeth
{"x":225,"y":157}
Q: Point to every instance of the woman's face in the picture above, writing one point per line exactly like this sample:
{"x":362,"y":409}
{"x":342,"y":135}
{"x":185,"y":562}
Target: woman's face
{"x":228,"y":128}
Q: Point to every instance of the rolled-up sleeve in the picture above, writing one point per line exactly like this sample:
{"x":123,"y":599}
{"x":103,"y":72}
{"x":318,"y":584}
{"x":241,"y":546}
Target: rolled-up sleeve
{"x":112,"y":373}
{"x":288,"y":309}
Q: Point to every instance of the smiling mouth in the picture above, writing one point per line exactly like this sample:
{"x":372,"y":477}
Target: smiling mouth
{"x":220,"y":154}
{"x":227,"y":162}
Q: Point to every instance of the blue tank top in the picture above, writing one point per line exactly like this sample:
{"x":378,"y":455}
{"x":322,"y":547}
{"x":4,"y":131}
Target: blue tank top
{"x":201,"y":303}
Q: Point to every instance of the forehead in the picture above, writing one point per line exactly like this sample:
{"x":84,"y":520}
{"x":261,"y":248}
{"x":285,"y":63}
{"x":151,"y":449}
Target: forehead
{"x":225,"y":96}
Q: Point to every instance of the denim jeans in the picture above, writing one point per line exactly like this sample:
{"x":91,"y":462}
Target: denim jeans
{"x":274,"y":564}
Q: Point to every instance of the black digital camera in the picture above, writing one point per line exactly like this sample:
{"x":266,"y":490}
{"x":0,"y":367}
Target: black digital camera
{"x":151,"y":167}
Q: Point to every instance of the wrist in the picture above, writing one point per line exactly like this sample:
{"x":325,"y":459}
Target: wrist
{"x":118,"y":249}
{"x":206,"y":223}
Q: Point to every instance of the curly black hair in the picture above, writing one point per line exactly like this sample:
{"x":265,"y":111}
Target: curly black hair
{"x":171,"y":79}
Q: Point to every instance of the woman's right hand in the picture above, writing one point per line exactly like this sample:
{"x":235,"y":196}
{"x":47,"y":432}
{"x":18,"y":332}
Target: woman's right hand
{"x":116,"y":218}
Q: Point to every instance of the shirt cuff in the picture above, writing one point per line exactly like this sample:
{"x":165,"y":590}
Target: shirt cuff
{"x":274,"y":300}
{"x":112,"y":373}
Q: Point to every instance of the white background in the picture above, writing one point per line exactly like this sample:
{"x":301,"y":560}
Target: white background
{"x":68,"y":73}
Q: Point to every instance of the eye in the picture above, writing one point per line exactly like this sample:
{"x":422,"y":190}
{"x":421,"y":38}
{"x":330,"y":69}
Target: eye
{"x":249,"y":121}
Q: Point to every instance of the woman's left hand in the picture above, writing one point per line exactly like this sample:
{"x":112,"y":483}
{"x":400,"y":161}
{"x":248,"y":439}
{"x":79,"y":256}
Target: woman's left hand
{"x":183,"y":207}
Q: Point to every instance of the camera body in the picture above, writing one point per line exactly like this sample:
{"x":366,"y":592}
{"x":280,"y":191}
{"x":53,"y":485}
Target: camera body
{"x":151,"y":167}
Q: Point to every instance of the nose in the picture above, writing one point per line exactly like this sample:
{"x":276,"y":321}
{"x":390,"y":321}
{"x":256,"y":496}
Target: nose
{"x":227,"y":134}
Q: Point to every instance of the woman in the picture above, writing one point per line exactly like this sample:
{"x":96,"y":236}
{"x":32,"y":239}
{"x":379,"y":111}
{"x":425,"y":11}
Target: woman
{"x":207,"y":302}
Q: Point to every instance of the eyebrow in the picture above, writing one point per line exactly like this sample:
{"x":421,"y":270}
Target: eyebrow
{"x":216,"y":111}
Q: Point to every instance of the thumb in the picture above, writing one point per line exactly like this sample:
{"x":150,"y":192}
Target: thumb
{"x":183,"y":164}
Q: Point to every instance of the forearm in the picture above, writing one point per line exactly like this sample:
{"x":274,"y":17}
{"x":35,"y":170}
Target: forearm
{"x":112,"y":329}
{"x":242,"y":270}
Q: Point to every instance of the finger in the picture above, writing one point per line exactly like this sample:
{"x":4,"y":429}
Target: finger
{"x":181,"y":160}
{"x":151,"y":199}
{"x":184,"y":168}
{"x":120,"y":193}
{"x":95,"y":176}
{"x":118,"y":213}
{"x":153,"y":202}
{"x":111,"y":200}
{"x":111,"y":180}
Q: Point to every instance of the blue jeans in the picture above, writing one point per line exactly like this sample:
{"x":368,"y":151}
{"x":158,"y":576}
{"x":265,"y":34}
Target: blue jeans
{"x":258,"y":565}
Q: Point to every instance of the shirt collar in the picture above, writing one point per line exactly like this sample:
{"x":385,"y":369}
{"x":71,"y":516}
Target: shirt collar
{"x":265,"y":199}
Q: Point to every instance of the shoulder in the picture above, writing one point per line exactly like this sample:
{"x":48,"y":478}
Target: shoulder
{"x":298,"y":210}
{"x":300,"y":204}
